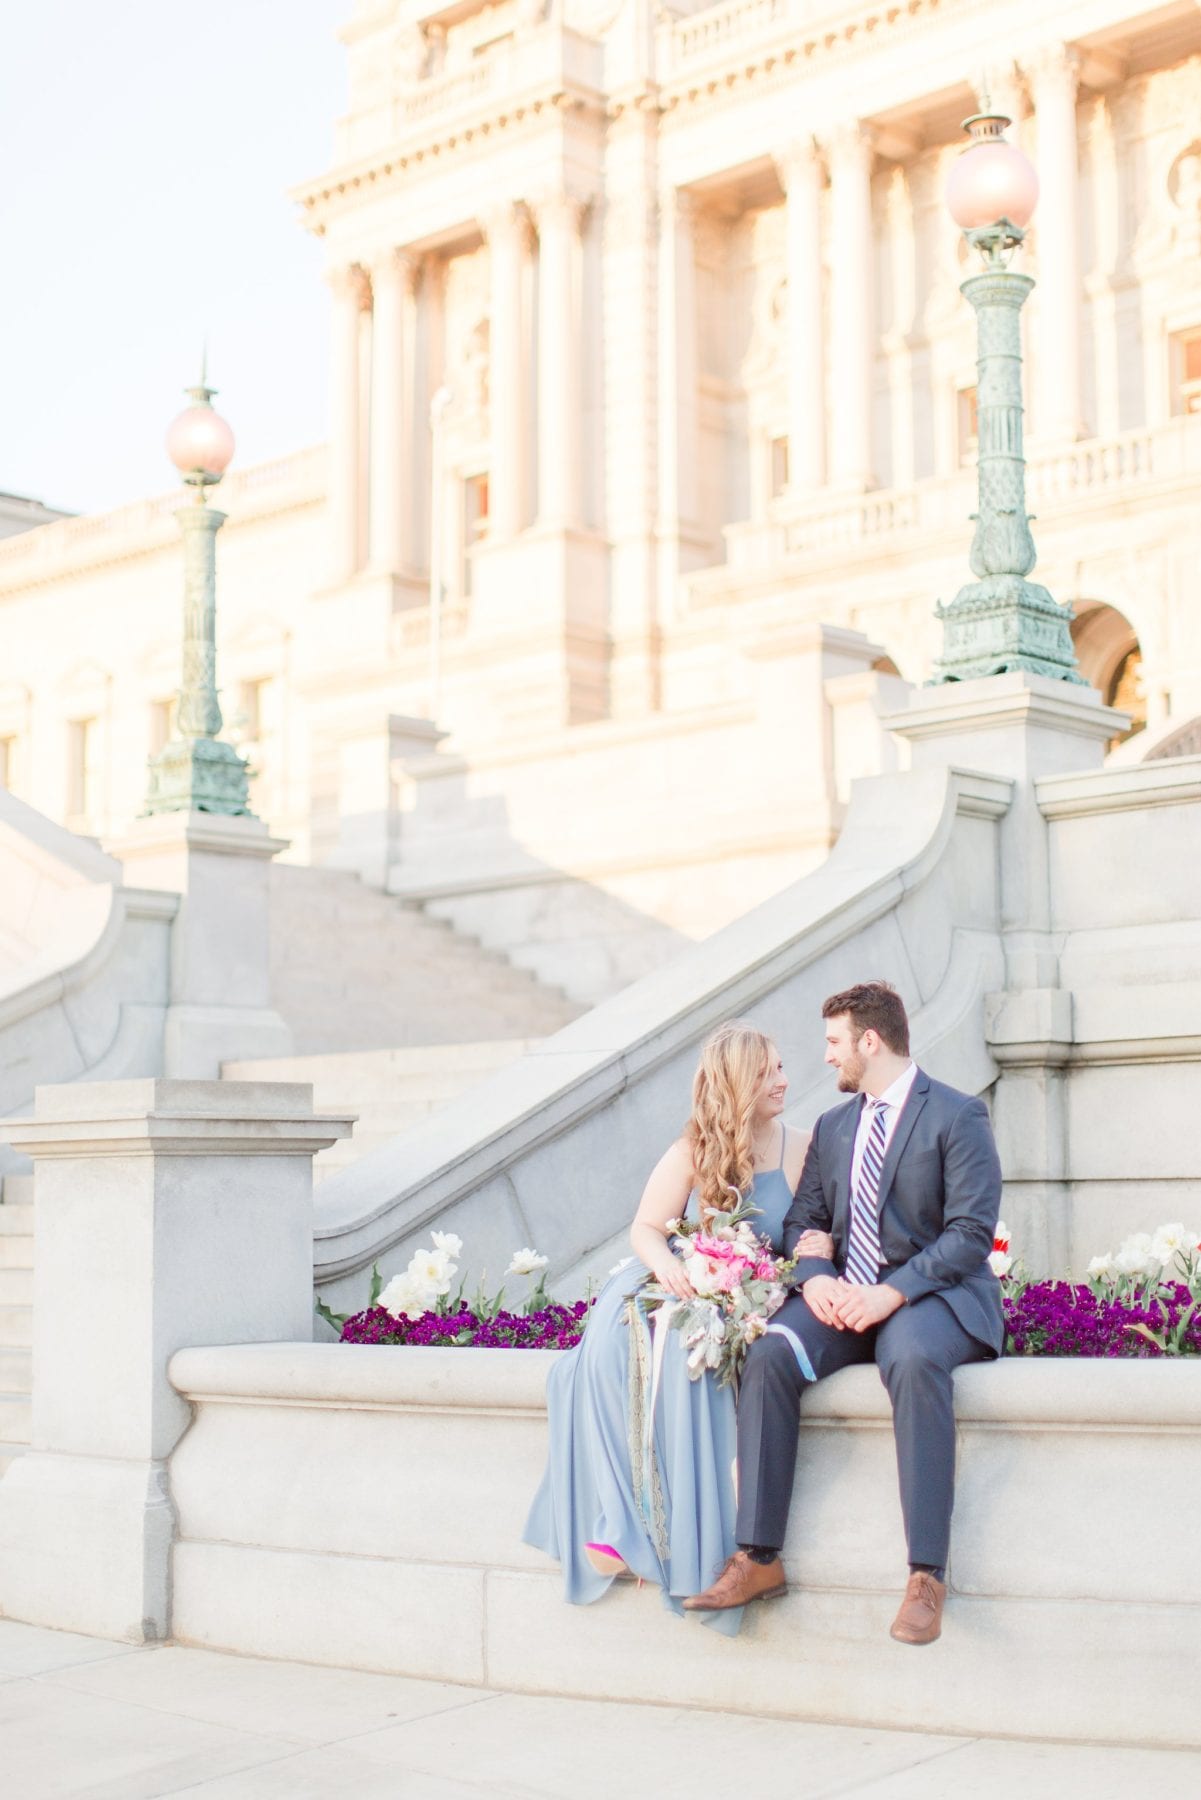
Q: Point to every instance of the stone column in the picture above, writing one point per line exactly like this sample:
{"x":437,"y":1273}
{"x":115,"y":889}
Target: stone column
{"x":506,"y":230}
{"x":344,"y":423}
{"x":853,"y":349}
{"x":800,"y":172}
{"x":558,"y":219}
{"x":393,"y":280}
{"x":678,"y":423}
{"x":1053,"y":77}
{"x":169,"y":1213}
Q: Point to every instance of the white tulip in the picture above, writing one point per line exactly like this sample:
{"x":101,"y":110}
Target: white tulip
{"x":432,"y":1269}
{"x":447,"y":1241}
{"x":527,"y":1262}
{"x":999,"y":1262}
{"x":406,"y":1298}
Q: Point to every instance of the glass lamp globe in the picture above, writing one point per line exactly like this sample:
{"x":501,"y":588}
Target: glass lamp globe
{"x":991,"y":180}
{"x":200,"y":443}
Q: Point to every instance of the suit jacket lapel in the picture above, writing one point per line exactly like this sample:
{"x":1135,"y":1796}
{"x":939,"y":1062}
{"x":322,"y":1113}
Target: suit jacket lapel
{"x":896,"y":1144}
{"x":845,"y":1158}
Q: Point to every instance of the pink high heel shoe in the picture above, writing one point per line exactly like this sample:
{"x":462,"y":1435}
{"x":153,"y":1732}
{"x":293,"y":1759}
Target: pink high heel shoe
{"x":606,"y":1561}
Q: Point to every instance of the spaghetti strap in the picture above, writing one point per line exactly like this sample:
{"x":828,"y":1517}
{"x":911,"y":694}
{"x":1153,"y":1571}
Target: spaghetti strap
{"x":783,"y":1143}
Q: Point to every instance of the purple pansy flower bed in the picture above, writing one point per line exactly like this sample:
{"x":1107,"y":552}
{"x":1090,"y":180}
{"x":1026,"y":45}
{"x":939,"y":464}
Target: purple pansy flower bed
{"x":551,"y":1327}
{"x":1059,"y":1318}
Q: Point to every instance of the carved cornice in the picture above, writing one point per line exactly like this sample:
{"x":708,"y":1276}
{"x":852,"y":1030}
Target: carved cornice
{"x":436,"y":142}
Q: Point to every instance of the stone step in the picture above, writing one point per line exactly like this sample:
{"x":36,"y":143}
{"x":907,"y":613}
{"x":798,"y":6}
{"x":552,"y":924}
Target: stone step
{"x":356,"y":969}
{"x":15,"y":1418}
{"x":16,"y":1221}
{"x":389,"y":1090}
{"x":9,"y":1454}
{"x":16,"y":1286}
{"x":16,"y":1252}
{"x":16,"y":1371}
{"x":16,"y":1327}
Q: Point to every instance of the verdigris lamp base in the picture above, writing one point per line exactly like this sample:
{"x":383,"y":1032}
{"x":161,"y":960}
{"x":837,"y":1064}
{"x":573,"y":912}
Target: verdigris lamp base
{"x":199,"y":774}
{"x":1002,"y":625}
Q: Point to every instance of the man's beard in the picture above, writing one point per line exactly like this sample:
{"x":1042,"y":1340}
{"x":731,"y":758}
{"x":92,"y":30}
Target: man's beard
{"x":851,"y":1075}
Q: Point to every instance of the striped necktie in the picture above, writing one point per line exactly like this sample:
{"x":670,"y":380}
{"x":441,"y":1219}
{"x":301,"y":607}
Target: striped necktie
{"x":863,"y":1240}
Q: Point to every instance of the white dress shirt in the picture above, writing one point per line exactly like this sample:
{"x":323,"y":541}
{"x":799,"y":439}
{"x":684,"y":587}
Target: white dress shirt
{"x":892,"y":1100}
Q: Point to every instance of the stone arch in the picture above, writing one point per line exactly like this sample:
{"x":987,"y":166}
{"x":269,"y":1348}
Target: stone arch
{"x":1111,"y":658}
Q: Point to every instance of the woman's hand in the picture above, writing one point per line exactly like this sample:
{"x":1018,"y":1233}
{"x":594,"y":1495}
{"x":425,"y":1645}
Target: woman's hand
{"x":815,"y":1243}
{"x":669,"y":1273}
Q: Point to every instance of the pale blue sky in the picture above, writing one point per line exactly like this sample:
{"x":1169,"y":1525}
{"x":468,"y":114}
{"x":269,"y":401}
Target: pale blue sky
{"x":147,"y":146}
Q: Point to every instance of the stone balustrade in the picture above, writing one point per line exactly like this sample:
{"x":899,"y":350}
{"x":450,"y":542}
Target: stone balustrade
{"x":1081,"y":476}
{"x":376,"y":1513}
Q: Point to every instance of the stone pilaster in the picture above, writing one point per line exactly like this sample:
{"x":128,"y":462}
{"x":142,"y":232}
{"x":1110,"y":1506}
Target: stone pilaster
{"x":849,"y":153}
{"x":800,"y":172}
{"x":169,"y":1214}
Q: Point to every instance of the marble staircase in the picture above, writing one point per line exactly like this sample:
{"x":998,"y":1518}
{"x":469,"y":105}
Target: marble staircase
{"x":388,"y":1090}
{"x":353,"y":969}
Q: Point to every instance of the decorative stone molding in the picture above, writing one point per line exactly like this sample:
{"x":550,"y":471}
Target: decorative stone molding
{"x":1062,"y":1463}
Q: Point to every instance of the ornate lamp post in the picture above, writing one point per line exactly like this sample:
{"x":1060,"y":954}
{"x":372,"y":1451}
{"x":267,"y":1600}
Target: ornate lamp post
{"x":999,"y":622}
{"x":196,"y":771}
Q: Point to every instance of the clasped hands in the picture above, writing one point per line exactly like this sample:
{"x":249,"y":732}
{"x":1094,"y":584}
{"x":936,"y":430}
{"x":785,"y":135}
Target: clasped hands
{"x":847,"y":1306}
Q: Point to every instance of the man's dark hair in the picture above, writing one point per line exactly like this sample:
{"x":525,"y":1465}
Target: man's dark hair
{"x":873,"y":1006}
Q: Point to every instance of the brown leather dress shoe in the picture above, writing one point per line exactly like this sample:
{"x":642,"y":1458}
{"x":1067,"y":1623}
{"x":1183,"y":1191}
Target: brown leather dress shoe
{"x":741,"y":1580}
{"x":920,"y":1618}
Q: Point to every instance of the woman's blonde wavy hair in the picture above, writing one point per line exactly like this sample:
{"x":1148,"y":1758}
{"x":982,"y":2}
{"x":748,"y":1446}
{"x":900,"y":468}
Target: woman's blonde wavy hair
{"x":728,"y":1082}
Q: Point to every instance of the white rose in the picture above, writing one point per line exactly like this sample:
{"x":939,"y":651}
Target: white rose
{"x":447,"y":1241}
{"x":999,"y":1262}
{"x":526,"y":1262}
{"x":405,"y":1298}
{"x":704,"y":1272}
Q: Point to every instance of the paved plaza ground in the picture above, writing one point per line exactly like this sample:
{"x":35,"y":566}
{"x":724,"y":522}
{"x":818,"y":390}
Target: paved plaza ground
{"x":81,"y":1716}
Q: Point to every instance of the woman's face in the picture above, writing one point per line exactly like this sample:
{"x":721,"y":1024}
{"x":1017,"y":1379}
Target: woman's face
{"x":770,"y":1103}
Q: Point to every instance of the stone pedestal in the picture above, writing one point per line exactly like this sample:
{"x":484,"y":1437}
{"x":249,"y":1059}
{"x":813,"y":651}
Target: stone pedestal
{"x":1025,"y":727}
{"x":169,"y":1214}
{"x":220,"y":999}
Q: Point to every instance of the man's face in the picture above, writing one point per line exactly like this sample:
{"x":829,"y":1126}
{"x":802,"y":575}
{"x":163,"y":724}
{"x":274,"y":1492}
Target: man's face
{"x":844,"y":1053}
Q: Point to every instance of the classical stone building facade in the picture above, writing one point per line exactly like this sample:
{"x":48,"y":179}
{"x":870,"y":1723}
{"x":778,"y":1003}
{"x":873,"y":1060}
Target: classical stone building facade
{"x":649,"y":362}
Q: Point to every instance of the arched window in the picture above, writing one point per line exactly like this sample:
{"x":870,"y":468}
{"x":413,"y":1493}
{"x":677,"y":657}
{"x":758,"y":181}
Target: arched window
{"x":1111,"y":658}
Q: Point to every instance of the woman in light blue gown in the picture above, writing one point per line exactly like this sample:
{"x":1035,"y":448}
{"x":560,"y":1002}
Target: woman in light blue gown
{"x":640,"y":1475}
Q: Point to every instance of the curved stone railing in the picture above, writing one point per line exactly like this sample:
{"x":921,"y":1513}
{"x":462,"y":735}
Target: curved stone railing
{"x":553,"y":1151}
{"x":84,"y":961}
{"x":326,"y":1513}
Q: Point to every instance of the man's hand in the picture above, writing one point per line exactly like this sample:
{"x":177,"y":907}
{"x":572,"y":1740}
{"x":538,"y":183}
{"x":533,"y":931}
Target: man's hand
{"x":822,"y":1294}
{"x":862,"y":1307}
{"x":815,"y":1243}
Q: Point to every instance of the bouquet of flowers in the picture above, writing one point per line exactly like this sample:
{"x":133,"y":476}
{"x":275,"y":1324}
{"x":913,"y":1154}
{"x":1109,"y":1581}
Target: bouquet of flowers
{"x":739,"y":1283}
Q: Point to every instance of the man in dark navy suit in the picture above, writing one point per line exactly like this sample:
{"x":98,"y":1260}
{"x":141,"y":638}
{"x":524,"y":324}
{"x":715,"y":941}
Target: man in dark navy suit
{"x":892,"y":1226}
